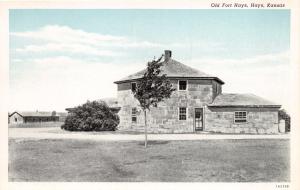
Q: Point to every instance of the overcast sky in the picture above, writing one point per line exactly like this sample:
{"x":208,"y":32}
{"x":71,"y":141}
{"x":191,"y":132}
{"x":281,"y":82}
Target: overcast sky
{"x":61,"y":58}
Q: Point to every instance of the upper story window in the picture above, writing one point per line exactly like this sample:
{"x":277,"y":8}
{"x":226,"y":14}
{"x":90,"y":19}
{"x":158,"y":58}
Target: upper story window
{"x":133,"y":86}
{"x":182,"y":85}
{"x":182,"y":113}
{"x":240,"y":117}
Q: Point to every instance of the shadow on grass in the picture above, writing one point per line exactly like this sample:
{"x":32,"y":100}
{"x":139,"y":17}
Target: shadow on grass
{"x":142,"y":143}
{"x":48,"y":124}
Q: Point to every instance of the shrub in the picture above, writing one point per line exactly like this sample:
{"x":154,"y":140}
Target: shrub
{"x":91,"y":116}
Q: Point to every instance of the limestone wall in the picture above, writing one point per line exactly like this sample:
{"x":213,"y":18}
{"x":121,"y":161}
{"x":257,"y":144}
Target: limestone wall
{"x":259,"y":121}
{"x":164,"y":118}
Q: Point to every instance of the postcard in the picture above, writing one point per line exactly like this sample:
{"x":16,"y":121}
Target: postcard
{"x":130,"y":95}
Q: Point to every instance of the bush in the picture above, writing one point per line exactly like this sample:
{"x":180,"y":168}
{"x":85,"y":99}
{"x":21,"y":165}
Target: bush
{"x":91,"y":116}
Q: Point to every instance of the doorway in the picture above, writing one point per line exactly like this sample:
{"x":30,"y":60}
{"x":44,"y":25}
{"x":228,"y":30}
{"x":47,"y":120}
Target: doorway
{"x":198,"y":119}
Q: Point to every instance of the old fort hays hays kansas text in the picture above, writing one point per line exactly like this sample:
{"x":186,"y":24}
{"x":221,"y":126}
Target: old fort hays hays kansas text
{"x":247,"y":5}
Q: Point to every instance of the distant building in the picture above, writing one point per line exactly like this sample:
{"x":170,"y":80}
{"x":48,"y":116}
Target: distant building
{"x":27,"y":117}
{"x":62,"y":116}
{"x":198,"y":104}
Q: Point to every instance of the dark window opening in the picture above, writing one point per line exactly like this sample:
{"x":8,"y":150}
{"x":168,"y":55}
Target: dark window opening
{"x":133,"y":86}
{"x":133,"y":119}
{"x":182,"y":85}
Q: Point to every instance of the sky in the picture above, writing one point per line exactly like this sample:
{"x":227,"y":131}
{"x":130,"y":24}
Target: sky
{"x":62,"y":58}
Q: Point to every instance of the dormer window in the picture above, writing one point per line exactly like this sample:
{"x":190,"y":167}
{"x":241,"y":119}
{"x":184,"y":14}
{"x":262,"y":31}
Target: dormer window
{"x":182,"y":85}
{"x":133,"y":86}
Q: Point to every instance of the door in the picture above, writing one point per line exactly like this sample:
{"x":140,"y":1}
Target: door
{"x":198,"y":119}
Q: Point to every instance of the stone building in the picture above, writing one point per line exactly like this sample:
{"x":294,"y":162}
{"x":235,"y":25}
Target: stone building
{"x":198,"y":104}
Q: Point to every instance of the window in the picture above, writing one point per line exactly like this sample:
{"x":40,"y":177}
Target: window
{"x":182,"y":113}
{"x":182,"y":85}
{"x":16,"y":119}
{"x":240,"y":117}
{"x":133,"y":115}
{"x":133,"y":86}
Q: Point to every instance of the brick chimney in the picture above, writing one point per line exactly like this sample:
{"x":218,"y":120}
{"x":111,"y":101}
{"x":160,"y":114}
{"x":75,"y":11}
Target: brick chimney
{"x":168,"y":55}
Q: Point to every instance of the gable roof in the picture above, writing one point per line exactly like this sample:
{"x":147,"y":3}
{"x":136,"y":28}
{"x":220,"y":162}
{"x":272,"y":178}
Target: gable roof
{"x":175,"y":69}
{"x":9,"y":115}
{"x":248,"y":100}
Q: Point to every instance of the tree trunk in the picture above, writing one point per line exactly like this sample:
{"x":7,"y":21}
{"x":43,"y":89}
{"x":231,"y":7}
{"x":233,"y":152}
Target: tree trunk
{"x":145,"y":128}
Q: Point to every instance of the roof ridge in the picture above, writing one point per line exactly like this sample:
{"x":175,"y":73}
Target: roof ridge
{"x":190,"y":67}
{"x":241,"y":99}
{"x":263,"y":98}
{"x":173,"y":68}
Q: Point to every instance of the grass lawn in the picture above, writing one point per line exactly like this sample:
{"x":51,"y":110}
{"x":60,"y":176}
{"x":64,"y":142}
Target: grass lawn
{"x":185,"y":161}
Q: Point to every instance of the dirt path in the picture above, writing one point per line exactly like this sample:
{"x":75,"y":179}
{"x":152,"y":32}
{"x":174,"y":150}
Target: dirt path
{"x":57,"y":133}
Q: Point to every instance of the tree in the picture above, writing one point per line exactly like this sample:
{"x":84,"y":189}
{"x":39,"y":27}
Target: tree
{"x":152,"y":88}
{"x":91,"y":116}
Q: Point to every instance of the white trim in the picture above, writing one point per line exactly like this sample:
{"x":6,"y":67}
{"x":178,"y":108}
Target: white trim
{"x":186,"y":85}
{"x":240,"y":122}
